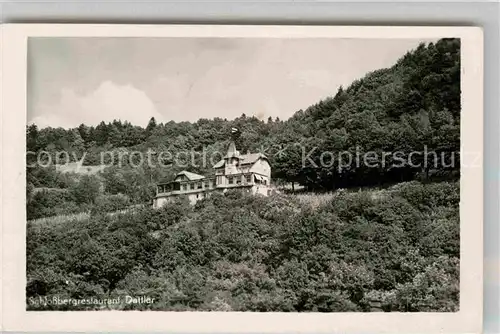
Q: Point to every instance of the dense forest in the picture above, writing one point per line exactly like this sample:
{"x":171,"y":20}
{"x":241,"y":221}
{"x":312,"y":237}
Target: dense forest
{"x":397,"y":251}
{"x":93,"y":234}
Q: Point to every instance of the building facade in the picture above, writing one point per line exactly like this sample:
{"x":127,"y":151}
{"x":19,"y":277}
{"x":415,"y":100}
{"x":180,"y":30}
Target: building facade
{"x":251,"y":172}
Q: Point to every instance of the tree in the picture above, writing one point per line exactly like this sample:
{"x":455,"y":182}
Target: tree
{"x":32,"y":138}
{"x":115,"y":181}
{"x":151,"y":126}
{"x":132,"y":135}
{"x":114,"y":135}
{"x":101,"y":133}
{"x":84,"y":132}
{"x":86,"y":190}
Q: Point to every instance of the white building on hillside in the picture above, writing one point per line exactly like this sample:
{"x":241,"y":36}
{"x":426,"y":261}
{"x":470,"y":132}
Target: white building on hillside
{"x":246,"y":171}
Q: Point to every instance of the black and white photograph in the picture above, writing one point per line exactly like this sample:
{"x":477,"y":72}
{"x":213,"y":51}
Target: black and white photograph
{"x":244,"y":174}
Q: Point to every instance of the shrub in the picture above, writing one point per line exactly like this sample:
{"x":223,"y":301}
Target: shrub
{"x":110,"y":203}
{"x":48,"y":202}
{"x":396,"y":251}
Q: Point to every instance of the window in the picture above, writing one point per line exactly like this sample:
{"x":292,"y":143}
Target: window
{"x":238,"y":179}
{"x":260,"y":179}
{"x":248,"y":178}
{"x":191,"y":186}
{"x":230,"y":180}
{"x":207,"y":184}
{"x":200,"y":185}
{"x":184,"y":187}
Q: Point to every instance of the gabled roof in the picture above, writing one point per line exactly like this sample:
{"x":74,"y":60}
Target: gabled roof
{"x":190,"y":176}
{"x":244,"y":159}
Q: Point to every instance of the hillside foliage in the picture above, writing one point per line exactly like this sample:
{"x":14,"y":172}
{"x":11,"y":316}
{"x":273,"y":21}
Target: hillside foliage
{"x":398,"y":251}
{"x":414,"y":106}
{"x":358,"y":237}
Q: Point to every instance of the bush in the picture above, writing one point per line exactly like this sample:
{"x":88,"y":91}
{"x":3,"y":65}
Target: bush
{"x":430,"y":196}
{"x":48,"y":202}
{"x":110,"y":203}
{"x":86,"y":190}
{"x":396,"y":251}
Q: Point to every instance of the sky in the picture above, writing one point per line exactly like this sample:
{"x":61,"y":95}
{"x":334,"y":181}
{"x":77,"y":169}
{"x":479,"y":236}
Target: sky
{"x":92,"y":79}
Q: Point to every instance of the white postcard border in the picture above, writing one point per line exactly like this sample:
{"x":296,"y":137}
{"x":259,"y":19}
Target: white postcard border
{"x":14,"y":77}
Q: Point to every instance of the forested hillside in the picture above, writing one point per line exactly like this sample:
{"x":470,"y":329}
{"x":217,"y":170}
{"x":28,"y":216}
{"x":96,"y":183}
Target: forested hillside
{"x":357,"y":237}
{"x":414,"y":106}
{"x":397,"y":251}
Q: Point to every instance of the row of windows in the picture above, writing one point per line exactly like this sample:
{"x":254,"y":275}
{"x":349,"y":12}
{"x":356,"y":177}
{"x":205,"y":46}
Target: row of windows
{"x":221,"y":171}
{"x":168,"y":188}
{"x":239,"y":179}
{"x":245,"y":178}
{"x":187,"y":186}
{"x":198,"y":185}
{"x":263,"y":181}
{"x":208,"y":184}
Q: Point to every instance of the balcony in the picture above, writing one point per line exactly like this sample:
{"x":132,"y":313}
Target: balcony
{"x":185,"y":187}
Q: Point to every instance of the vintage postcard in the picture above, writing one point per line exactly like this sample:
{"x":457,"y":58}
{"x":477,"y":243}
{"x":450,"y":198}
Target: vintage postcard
{"x":204,"y":178}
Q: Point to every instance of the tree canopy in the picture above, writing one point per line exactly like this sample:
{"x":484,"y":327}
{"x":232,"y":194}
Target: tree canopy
{"x":413,"y":106}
